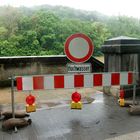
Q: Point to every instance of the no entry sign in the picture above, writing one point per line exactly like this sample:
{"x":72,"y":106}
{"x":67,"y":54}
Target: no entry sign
{"x":78,"y":48}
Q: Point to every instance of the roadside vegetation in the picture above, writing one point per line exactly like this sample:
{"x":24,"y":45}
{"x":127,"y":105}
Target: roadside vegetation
{"x":43,"y":30}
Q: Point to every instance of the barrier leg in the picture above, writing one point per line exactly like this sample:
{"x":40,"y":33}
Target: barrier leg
{"x":13,"y":101}
{"x":134,"y":94}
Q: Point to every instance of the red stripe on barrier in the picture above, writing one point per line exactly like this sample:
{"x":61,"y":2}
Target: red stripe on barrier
{"x":19,"y":83}
{"x":58,"y":81}
{"x":115,"y":78}
{"x":97,"y":80}
{"x":78,"y":80}
{"x":38,"y":82}
{"x":130,"y":78}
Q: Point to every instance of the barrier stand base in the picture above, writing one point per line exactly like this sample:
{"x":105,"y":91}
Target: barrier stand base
{"x":75,"y":105}
{"x":121,"y":102}
{"x":30,"y":108}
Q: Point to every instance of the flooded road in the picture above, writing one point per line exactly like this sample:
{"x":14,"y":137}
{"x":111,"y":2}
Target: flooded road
{"x":103,"y":119}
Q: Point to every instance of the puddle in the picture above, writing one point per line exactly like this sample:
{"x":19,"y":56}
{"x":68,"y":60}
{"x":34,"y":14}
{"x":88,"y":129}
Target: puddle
{"x":49,"y":104}
{"x":98,"y":101}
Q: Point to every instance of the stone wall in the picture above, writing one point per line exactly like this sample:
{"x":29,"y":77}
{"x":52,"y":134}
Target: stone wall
{"x":122,"y":54}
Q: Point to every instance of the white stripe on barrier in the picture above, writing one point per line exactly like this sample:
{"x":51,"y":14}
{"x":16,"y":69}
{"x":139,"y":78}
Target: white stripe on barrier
{"x":49,"y":82}
{"x":69,"y":81}
{"x":88,"y":80}
{"x":27,"y":82}
{"x":123,"y":78}
{"x":107,"y":79}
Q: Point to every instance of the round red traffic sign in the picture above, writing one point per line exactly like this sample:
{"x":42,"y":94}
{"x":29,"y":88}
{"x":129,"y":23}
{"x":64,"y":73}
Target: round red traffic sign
{"x":78,"y":48}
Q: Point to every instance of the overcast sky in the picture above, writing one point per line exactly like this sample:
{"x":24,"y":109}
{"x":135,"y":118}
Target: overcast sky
{"x":108,"y":7}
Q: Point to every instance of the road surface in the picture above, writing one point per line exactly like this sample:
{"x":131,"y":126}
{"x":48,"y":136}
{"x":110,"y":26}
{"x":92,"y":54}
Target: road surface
{"x":101,"y":120}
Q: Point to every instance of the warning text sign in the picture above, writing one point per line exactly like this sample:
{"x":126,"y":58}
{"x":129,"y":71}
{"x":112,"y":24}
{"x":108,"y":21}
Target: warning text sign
{"x":79,"y":68}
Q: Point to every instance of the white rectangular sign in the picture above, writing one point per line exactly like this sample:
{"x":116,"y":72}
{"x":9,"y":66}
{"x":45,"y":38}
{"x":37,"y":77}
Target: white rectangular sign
{"x":79,"y":68}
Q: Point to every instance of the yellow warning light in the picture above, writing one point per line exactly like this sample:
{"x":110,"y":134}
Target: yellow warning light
{"x":30,"y":108}
{"x":76,"y":105}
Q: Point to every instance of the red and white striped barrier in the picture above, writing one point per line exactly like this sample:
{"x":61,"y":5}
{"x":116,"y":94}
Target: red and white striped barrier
{"x":41,"y":82}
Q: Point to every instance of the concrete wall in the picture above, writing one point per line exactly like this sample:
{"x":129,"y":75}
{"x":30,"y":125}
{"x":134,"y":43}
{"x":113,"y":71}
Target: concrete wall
{"x":14,"y":66}
{"x":32,"y":69}
{"x":35,"y":68}
{"x":122,"y":54}
{"x":123,"y":62}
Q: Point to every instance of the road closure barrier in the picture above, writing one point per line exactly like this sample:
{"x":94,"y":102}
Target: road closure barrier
{"x":70,"y":81}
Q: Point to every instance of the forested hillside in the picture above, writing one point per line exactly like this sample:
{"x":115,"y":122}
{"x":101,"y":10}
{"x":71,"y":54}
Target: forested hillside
{"x":43,"y":30}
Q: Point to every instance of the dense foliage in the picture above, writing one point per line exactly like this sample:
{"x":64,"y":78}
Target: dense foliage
{"x":43,"y":30}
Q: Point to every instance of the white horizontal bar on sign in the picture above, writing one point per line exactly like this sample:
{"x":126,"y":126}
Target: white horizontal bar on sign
{"x":78,"y":68}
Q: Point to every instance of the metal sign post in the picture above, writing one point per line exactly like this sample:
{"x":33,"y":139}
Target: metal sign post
{"x":134,"y":88}
{"x":12,"y":96}
{"x":13,"y":99}
{"x":134,"y":82}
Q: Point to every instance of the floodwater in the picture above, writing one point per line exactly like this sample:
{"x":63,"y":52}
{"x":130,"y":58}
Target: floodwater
{"x":103,"y":119}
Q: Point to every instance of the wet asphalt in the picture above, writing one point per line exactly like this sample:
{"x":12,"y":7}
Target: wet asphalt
{"x":101,"y":120}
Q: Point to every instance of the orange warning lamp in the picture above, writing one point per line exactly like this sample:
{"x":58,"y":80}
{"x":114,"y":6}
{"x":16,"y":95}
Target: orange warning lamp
{"x":30,"y":106}
{"x":30,"y":99}
{"x":76,"y":97}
